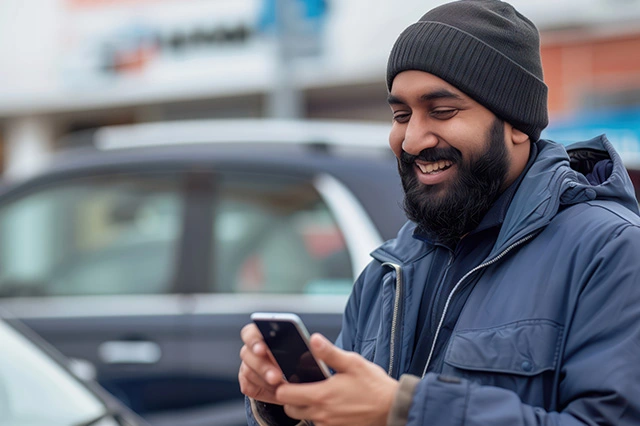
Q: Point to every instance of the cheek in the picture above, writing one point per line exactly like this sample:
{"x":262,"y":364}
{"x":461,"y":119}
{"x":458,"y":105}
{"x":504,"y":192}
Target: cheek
{"x":396,"y":137}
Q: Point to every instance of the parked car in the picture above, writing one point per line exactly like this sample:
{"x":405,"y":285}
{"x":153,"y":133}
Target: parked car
{"x":37,"y":388}
{"x":145,"y":253}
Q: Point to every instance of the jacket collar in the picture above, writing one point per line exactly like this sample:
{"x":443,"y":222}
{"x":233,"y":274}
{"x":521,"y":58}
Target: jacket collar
{"x":547,"y":185}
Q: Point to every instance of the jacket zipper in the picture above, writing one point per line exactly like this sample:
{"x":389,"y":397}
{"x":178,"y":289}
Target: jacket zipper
{"x":455,"y":288}
{"x":434,"y":302}
{"x":396,"y":314}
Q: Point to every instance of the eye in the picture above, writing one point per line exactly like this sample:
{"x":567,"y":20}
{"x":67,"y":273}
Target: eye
{"x":444,"y":113}
{"x":401,"y":116}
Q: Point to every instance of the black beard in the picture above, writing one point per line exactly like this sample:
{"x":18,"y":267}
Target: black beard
{"x":445,"y":218}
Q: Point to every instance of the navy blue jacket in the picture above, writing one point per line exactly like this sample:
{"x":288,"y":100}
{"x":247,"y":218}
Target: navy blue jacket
{"x":550,"y":331}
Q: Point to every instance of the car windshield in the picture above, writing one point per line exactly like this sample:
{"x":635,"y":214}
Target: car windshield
{"x":35,"y":390}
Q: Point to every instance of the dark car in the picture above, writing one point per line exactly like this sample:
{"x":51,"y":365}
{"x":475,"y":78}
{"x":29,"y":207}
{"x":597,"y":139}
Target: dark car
{"x":144,"y":255}
{"x":37,"y":387}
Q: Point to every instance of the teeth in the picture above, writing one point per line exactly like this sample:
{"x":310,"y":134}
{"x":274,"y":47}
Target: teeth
{"x":434,"y":167}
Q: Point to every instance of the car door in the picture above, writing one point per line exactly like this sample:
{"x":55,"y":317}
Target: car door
{"x":90,"y":262}
{"x":278,"y":246}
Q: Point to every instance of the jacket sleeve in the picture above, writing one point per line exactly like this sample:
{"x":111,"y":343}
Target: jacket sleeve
{"x":599,"y":370}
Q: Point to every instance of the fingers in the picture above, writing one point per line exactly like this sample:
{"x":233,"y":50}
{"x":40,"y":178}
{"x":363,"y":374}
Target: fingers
{"x":333,"y":356}
{"x":250,"y":376}
{"x":252,"y":385}
{"x":258,"y":375}
{"x":256,"y":355}
{"x":258,"y":360}
{"x":252,"y":337}
{"x":297,"y":411}
{"x":303,"y":394}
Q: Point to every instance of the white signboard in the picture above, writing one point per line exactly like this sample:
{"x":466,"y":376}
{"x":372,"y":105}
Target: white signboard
{"x":159,"y":41}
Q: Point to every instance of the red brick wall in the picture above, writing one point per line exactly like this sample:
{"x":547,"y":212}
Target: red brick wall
{"x":575,"y":65}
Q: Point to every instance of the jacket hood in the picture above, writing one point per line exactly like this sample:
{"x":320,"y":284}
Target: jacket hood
{"x":598,"y":162}
{"x":559,"y":177}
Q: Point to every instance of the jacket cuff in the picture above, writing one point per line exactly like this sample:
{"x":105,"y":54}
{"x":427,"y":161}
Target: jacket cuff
{"x":399,"y":413}
{"x":272,"y":415}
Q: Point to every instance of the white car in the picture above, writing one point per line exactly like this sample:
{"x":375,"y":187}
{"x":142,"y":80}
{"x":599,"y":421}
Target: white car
{"x":38,"y":389}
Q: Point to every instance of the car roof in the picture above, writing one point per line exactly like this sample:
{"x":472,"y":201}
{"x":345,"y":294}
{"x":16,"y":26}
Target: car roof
{"x":329,"y":132}
{"x":229,"y":140}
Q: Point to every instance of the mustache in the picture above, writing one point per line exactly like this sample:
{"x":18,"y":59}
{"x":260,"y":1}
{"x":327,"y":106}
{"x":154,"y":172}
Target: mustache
{"x":432,"y":155}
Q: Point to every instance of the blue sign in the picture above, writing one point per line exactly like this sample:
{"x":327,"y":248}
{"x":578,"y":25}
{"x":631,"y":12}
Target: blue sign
{"x":311,"y":10}
{"x":622,"y":127}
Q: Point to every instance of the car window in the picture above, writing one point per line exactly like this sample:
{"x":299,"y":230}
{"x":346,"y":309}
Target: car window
{"x":35,"y":390}
{"x":276,"y":235}
{"x":100,"y":235}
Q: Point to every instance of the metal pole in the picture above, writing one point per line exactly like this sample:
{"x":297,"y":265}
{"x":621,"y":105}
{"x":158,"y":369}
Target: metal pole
{"x":285,"y":99}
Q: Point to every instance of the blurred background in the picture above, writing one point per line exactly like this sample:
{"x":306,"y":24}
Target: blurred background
{"x":147,"y":206}
{"x":70,"y":65}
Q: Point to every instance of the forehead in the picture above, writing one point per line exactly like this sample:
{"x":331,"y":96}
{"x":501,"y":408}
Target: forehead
{"x":422,"y":87}
{"x":413,"y":83}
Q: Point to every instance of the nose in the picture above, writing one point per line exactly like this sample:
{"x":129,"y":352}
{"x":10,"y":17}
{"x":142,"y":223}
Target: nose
{"x":418,"y":136}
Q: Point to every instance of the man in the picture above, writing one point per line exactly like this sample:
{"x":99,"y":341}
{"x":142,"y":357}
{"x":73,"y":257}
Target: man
{"x":512,"y":297}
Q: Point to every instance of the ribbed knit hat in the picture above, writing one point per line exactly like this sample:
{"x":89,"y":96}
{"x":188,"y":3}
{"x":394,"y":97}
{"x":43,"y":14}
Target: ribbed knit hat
{"x":486,"y":49}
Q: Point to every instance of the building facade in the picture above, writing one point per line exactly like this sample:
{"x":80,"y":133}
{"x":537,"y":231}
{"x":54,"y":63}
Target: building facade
{"x":71,"y":65}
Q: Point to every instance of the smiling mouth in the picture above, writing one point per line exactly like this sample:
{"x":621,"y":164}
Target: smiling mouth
{"x":435,"y":167}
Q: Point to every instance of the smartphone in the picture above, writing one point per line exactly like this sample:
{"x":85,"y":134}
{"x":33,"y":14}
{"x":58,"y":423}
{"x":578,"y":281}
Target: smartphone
{"x":288,"y":339}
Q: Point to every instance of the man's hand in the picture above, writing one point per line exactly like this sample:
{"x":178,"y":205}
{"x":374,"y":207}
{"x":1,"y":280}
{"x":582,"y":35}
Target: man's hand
{"x":259,"y":376}
{"x":360,"y":393}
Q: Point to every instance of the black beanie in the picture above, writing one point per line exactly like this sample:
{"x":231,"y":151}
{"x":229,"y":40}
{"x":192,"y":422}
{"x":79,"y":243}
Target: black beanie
{"x":485,"y":48}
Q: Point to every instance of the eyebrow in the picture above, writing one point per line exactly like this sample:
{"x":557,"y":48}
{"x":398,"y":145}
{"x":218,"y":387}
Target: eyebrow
{"x":437,"y":94}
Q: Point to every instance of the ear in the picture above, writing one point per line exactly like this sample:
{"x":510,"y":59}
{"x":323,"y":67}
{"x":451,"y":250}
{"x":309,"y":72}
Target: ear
{"x":517,"y":136}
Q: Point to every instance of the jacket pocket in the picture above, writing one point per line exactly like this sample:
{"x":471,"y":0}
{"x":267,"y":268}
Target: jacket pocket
{"x":522,"y":348}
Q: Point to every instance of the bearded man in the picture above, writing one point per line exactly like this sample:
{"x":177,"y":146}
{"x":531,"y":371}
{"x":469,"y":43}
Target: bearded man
{"x":512,"y":296}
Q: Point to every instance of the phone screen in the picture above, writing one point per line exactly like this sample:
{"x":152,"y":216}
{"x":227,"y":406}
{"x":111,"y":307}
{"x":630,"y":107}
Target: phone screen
{"x":290,"y":351}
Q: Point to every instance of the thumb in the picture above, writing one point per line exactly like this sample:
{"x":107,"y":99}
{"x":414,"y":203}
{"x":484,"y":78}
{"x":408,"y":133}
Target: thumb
{"x":334,"y":357}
